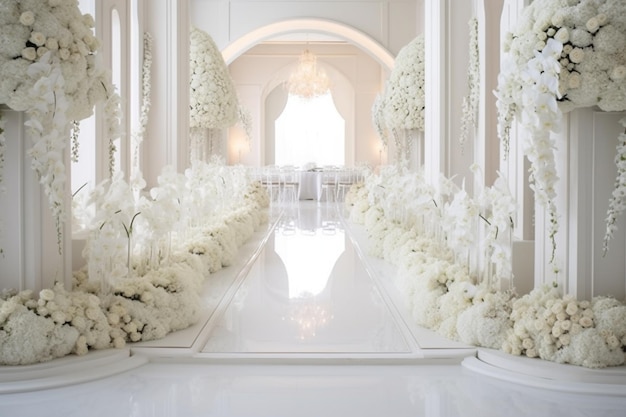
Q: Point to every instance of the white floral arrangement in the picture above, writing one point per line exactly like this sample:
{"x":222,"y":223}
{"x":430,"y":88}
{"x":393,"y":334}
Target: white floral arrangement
{"x":146,"y":103}
{"x":245,"y":121}
{"x":48,"y":69}
{"x":617,"y":202}
{"x":442,"y":295}
{"x":2,"y":150}
{"x":563,"y":55}
{"x":565,"y":330}
{"x":404,"y":100}
{"x":378,"y":119}
{"x":471,"y":101}
{"x":213,"y":98}
{"x":29,"y":29}
{"x":2,"y":188}
{"x":145,"y":290}
{"x":49,"y":129}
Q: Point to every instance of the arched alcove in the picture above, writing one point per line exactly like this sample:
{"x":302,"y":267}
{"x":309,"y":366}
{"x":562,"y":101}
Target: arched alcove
{"x":353,"y":85}
{"x":274,"y":98}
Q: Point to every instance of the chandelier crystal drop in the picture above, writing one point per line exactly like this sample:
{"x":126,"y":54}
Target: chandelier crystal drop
{"x":307,"y":81}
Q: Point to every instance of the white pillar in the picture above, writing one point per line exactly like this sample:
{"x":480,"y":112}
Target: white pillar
{"x":514,"y":167}
{"x":487,"y":143}
{"x":28,"y":236}
{"x":585,"y":156}
{"x":436,"y":89}
{"x":167,"y":134}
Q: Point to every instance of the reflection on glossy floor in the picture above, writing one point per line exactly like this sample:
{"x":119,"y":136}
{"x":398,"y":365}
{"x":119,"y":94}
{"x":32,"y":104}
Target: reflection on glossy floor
{"x":308,"y":327}
{"x":307,"y":292}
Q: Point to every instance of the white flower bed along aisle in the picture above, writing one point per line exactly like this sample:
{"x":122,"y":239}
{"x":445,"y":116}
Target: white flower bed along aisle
{"x":147,"y":260}
{"x":434,"y":240}
{"x":147,"y":254}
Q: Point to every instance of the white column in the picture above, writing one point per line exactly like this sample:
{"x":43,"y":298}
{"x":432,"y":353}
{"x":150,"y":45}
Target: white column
{"x":514,"y":167}
{"x":487,"y":143}
{"x":28,"y":235}
{"x":436,"y":89}
{"x":585,"y":165}
{"x":167,"y":136}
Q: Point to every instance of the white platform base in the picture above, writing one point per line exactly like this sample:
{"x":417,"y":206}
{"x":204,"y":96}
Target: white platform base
{"x":70,"y":370}
{"x":543,"y":374}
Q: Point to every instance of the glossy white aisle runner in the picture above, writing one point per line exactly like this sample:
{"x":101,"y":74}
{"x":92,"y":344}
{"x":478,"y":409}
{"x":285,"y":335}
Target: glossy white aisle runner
{"x":308,"y":292}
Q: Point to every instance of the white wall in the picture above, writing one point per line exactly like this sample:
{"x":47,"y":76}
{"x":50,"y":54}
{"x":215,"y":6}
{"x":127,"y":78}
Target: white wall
{"x":391,"y":23}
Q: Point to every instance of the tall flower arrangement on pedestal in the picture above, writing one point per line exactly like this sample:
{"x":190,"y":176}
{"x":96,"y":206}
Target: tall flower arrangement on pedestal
{"x":48,"y":69}
{"x":563,"y":55}
{"x":401,"y":108}
{"x":213,"y":98}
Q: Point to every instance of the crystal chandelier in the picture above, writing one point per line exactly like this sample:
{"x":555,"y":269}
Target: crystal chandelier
{"x":307,"y":81}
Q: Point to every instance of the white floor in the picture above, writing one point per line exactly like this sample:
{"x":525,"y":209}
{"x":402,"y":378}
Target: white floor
{"x":305,"y":324}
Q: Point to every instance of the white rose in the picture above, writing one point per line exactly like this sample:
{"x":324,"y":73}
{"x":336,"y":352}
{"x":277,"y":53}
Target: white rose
{"x":593,"y":25}
{"x":577,"y":55}
{"x":586,"y":322}
{"x":41,"y":51}
{"x":613,"y":342}
{"x":572,"y":308}
{"x":58,"y":317}
{"x":46,"y":294}
{"x":29,"y":53}
{"x":37,"y":38}
{"x":618,"y":73}
{"x":573,"y":81}
{"x":528,"y":343}
{"x":52,"y":44}
{"x":64,"y":54}
{"x":119,"y":343}
{"x":92,"y":313}
{"x":562,"y":35}
{"x":27,"y":18}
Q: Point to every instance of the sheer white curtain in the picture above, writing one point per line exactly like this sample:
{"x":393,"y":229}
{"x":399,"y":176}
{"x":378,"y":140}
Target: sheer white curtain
{"x":310,"y":131}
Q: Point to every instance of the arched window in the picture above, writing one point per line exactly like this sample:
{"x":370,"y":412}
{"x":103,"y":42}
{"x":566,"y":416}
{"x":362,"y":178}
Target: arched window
{"x":310,"y":131}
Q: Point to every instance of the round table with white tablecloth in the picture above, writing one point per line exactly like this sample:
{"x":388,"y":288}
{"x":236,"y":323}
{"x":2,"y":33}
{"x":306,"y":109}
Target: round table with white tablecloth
{"x":310,"y":185}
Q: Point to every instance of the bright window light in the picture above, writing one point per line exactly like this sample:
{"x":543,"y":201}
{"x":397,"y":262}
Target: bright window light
{"x":310,"y":131}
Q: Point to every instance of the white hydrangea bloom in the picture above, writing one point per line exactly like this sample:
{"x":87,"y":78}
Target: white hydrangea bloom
{"x":213,"y":98}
